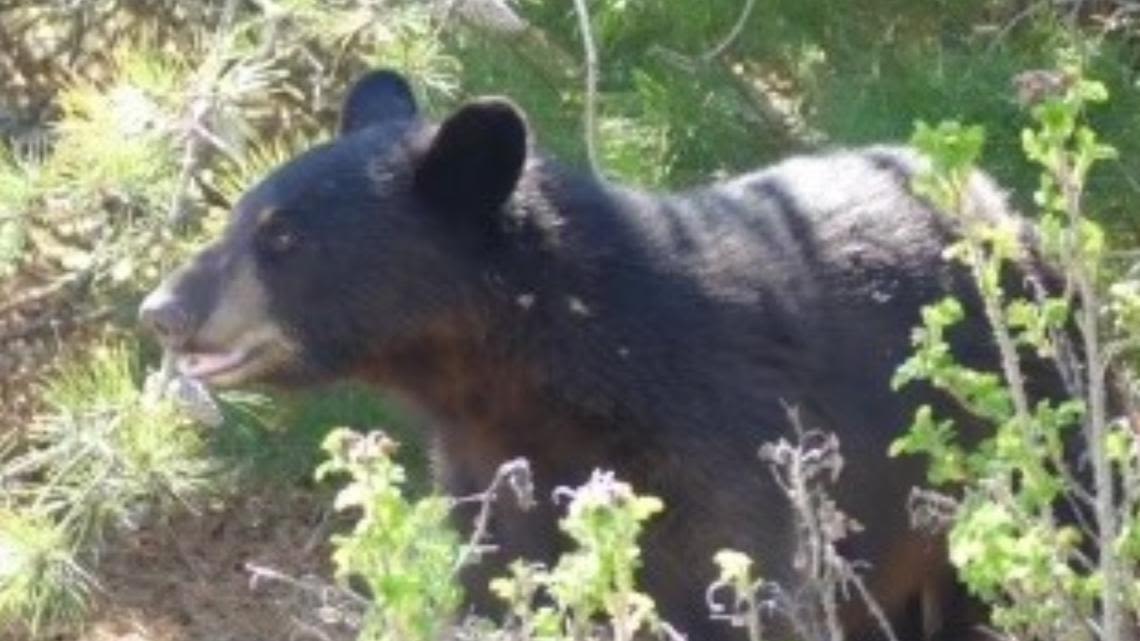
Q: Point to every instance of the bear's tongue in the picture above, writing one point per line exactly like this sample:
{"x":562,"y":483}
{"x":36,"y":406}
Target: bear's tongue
{"x":203,"y":365}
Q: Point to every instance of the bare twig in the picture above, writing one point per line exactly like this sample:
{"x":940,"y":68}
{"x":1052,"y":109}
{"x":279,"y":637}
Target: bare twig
{"x":259,"y":573}
{"x":803,"y":470}
{"x":493,"y":15}
{"x":193,"y":155}
{"x":514,"y":474}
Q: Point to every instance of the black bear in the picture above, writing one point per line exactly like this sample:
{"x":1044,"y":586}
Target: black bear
{"x":539,"y":312}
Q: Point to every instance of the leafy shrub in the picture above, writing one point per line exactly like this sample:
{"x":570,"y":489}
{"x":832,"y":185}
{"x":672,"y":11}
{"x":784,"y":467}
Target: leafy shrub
{"x":1045,"y":577}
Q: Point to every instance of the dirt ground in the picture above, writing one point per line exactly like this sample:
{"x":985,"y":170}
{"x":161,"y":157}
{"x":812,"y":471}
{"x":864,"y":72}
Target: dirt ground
{"x":190,"y":579}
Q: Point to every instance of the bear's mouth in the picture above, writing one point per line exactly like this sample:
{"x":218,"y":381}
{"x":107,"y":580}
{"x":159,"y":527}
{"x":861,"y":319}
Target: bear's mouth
{"x":245,"y":362}
{"x":216,"y":366}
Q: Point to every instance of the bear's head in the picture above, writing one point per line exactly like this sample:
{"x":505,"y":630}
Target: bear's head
{"x":365,"y":241}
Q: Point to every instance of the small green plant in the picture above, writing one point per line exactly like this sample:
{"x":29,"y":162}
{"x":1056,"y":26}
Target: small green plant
{"x":746,"y":608}
{"x":591,"y":592}
{"x":1005,"y":537}
{"x":635,"y":151}
{"x":408,"y":556}
{"x":403,"y":550}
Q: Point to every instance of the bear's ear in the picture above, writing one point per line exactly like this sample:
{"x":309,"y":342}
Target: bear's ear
{"x":476,"y":157}
{"x":379,"y":96}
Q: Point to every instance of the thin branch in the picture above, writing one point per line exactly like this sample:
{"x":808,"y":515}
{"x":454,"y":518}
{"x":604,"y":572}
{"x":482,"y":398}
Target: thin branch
{"x":733,"y":33}
{"x":1021,"y":16}
{"x":201,"y":110}
{"x":591,"y":124}
{"x":259,"y":573}
{"x":1113,"y":615}
{"x":515,"y":474}
{"x":755,"y":96}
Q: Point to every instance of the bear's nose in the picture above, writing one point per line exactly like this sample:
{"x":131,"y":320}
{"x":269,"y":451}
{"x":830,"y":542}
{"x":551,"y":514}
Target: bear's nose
{"x":166,"y":318}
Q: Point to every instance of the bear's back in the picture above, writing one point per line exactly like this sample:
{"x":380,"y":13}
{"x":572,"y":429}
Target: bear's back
{"x":807,"y":276}
{"x":809,"y":226}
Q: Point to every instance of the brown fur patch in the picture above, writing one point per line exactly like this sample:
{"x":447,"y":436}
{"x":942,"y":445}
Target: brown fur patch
{"x":490,"y":407}
{"x":914,"y":589}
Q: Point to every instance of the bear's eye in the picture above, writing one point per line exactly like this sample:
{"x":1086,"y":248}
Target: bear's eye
{"x":278,"y":238}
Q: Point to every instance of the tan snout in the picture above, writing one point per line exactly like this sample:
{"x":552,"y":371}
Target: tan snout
{"x":217,"y":324}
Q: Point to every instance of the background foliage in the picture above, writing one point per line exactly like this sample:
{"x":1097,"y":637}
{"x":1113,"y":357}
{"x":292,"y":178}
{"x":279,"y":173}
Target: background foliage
{"x":128,"y":127}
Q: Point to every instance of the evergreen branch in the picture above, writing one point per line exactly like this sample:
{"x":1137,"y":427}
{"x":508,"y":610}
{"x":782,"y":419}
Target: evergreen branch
{"x":202,"y":106}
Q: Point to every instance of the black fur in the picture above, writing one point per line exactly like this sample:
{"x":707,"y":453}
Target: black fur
{"x":379,"y":96}
{"x":475,"y":158}
{"x":582,"y":325}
